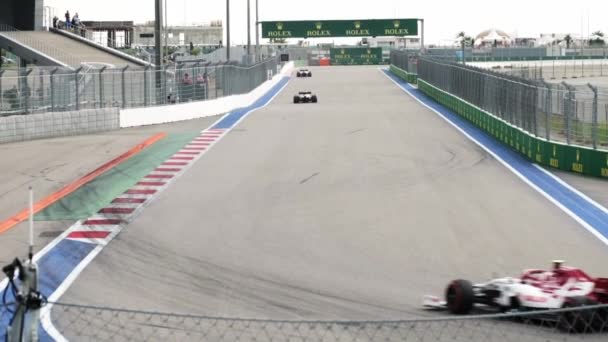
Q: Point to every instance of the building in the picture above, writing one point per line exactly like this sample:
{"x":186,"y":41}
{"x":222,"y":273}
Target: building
{"x":493,"y":38}
{"x":24,"y":15}
{"x":199,"y":35}
{"x":114,"y":34}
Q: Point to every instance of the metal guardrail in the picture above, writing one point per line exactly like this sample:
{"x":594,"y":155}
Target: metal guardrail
{"x":91,"y":323}
{"x":57,"y":89}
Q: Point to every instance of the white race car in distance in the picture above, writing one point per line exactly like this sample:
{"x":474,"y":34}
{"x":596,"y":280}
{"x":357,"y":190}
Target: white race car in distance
{"x":305,"y":97}
{"x":304,"y":73}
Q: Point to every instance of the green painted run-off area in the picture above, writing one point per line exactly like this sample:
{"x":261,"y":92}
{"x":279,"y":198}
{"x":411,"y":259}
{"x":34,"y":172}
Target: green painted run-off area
{"x":98,"y":193}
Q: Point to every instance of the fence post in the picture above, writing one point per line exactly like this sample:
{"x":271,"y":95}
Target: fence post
{"x":215,"y":80}
{"x":77,"y":97}
{"x":52,"y":82}
{"x":101,"y":104}
{"x":1,"y":93}
{"x":594,"y":116}
{"x":146,"y":90}
{"x":548,"y":111}
{"x":568,"y":110}
{"x":178,"y":83}
{"x":197,"y":67}
{"x":26,"y":89}
{"x":166,"y":93}
{"x":41,"y":93}
{"x":224,"y":83}
{"x":123,"y":84}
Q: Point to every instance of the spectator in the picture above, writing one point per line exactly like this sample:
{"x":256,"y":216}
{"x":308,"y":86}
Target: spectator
{"x":55,"y":20}
{"x":76,"y":21}
{"x":67,"y":19}
{"x":187,"y":79}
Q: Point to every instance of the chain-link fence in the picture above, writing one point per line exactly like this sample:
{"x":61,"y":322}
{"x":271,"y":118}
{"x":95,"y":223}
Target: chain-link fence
{"x":551,"y":69}
{"x":88,"y":323}
{"x":555,"y":111}
{"x":35,"y":90}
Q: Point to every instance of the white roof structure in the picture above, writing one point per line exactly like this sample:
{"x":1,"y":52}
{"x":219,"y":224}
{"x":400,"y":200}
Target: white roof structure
{"x":493,"y":35}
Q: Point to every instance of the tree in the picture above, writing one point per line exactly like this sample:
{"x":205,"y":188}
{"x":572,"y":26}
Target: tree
{"x":568,"y":40}
{"x":464,"y":41}
{"x":597,"y":38}
{"x":463,"y":38}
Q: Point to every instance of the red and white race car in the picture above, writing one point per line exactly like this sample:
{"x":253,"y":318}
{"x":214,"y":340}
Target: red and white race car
{"x":560,"y":287}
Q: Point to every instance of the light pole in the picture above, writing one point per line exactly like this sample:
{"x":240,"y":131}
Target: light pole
{"x":257,"y":32}
{"x":248,"y":29}
{"x":228,"y":30}
{"x":166,"y":48}
{"x":158,"y":15}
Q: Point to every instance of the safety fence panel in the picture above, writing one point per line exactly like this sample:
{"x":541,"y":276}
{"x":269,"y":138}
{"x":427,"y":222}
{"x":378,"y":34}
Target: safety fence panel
{"x":557,"y":155}
{"x":88,"y":323}
{"x":409,"y":77}
{"x":42,"y":90}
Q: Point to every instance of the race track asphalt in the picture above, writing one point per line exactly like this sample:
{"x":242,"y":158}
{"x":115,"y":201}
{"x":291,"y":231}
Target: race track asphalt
{"x":352,"y":208}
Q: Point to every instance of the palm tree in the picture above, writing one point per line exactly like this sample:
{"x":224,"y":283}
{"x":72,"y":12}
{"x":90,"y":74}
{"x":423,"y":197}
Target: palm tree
{"x":464,"y":38}
{"x":568,"y":40}
{"x":598,"y":38}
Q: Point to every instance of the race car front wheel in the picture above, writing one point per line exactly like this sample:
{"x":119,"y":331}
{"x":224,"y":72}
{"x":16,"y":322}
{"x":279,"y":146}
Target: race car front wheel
{"x":460,"y":297}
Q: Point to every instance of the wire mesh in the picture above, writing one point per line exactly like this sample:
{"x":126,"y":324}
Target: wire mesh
{"x":574,"y":114}
{"x":405,"y":59}
{"x":88,"y":323}
{"x":37,"y":90}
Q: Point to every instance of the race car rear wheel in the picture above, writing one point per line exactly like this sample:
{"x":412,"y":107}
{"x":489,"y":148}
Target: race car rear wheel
{"x":296,"y":99}
{"x":460,"y":297}
{"x":583,"y":320}
{"x":314,"y":99}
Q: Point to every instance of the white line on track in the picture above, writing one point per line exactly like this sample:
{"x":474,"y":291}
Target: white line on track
{"x":46,"y":313}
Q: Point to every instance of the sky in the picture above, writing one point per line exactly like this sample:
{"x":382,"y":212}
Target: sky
{"x":443,"y":19}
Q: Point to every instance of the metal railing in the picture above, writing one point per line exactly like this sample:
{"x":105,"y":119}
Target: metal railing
{"x":90,"y":323}
{"x":405,"y":59}
{"x":35,"y":90}
{"x":553,"y":69}
{"x":576,"y":115}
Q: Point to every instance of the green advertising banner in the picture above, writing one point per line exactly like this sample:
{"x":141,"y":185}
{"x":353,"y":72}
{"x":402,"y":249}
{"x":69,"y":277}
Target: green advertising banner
{"x":340,"y":28}
{"x":355,"y":56}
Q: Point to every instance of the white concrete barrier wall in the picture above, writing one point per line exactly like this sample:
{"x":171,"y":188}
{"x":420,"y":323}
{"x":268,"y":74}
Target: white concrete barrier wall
{"x":47,"y":125}
{"x":193,"y":110}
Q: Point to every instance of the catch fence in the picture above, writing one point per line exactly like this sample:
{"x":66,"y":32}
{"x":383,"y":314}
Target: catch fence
{"x":37,"y":90}
{"x":555,"y":111}
{"x":89,"y":323}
